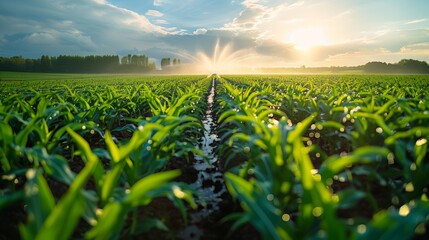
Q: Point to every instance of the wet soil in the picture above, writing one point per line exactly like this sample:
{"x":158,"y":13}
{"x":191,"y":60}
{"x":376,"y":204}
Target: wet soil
{"x":206,"y":176}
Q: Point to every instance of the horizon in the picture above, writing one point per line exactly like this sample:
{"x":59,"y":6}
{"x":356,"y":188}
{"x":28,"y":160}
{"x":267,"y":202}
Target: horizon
{"x":224,"y":36}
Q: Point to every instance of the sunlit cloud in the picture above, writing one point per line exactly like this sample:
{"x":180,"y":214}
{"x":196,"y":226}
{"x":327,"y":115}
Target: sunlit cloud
{"x":200,"y":31}
{"x":278,"y":33}
{"x":154,"y":13}
{"x":417,"y":21}
{"x":161,"y":21}
{"x":158,"y":2}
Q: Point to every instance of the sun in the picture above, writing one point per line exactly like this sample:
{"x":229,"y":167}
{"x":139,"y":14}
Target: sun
{"x":306,"y":38}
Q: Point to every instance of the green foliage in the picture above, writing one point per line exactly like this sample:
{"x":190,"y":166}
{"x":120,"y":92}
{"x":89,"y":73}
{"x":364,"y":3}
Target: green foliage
{"x":320,"y":157}
{"x":45,"y":133}
{"x":325,"y":146}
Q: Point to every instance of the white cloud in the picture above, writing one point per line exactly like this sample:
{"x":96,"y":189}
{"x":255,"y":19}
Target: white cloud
{"x":154,"y":13}
{"x":417,"y":21}
{"x":161,"y":21}
{"x":249,"y":18}
{"x":200,"y":31}
{"x":54,"y":28}
{"x":41,"y":38}
{"x":158,"y":2}
{"x":260,"y":30}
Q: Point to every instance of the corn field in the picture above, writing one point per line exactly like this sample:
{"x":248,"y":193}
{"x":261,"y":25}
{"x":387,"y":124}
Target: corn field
{"x":298,"y":156}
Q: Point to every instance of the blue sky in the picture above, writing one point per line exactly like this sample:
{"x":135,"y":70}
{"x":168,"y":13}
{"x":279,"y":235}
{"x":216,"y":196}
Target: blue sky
{"x":269,"y":33}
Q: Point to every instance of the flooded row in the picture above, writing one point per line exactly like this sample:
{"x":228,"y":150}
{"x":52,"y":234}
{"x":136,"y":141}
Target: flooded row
{"x":210,"y":183}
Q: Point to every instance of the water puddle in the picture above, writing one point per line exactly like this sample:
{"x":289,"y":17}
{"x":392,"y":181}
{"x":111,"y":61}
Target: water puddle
{"x":210,"y":183}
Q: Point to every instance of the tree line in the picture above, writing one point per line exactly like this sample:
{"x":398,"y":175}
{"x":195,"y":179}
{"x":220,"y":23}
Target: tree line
{"x":81,"y":64}
{"x":165,"y":62}
{"x":403,"y":66}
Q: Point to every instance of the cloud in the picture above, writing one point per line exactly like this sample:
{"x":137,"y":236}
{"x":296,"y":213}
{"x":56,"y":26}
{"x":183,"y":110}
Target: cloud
{"x":396,"y":39}
{"x":46,"y":27}
{"x":40,"y":38}
{"x":248,"y":19}
{"x":250,"y":31}
{"x":200,"y":31}
{"x":161,"y":21}
{"x":154,"y":13}
{"x":416,"y":21}
{"x":158,"y":3}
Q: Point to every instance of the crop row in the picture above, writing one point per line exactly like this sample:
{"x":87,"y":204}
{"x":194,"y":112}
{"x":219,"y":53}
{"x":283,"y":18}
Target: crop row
{"x":341,"y":157}
{"x":327,"y":156}
{"x":97,"y":152}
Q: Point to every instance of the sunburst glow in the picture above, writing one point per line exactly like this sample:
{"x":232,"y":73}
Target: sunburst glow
{"x":223,"y":60}
{"x":306,"y":38}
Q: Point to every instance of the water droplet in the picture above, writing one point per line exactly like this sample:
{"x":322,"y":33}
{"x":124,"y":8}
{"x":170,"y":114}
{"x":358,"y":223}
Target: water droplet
{"x":270,"y":197}
{"x":317,"y":135}
{"x":92,"y":131}
{"x":421,"y":142}
{"x":83,"y":127}
{"x":93,"y":222}
{"x":413,"y":167}
{"x":99,"y":211}
{"x":409,"y":187}
{"x":379,"y":130}
{"x":361,"y":229}
{"x":178,"y":192}
{"x":30,"y":173}
{"x":246,"y":149}
{"x":404,"y":210}
{"x":317,"y":211}
{"x":286,"y":217}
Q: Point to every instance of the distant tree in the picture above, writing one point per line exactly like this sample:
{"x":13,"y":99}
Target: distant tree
{"x":165,"y":62}
{"x":124,"y":60}
{"x":176,"y":61}
{"x":45,"y":63}
{"x":375,"y":67}
{"x":403,"y":66}
{"x":413,"y":66}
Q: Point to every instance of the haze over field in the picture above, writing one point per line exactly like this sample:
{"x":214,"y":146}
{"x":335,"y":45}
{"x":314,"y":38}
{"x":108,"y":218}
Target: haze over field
{"x":256,"y":33}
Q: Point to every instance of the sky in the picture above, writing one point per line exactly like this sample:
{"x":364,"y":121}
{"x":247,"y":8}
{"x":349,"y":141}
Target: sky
{"x":221,"y":33}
